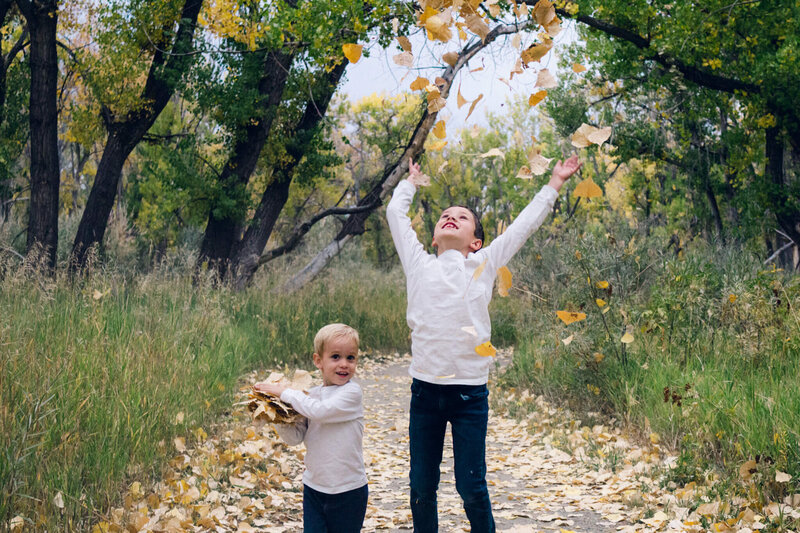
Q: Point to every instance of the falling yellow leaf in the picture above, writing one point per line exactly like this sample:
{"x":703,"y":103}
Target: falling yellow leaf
{"x":494,"y":152}
{"x":537,"y":97}
{"x":545,"y":80}
{"x":536,"y":52}
{"x":568,"y":317}
{"x":419,"y":84}
{"x":568,"y":340}
{"x":587,"y":189}
{"x":477,"y":25}
{"x":451,"y":58}
{"x":439,"y":129}
{"x":460,"y":100}
{"x":435,"y":146}
{"x":600,"y":302}
{"x":352,"y":52}
{"x":538,"y":163}
{"x":438,"y":29}
{"x":601,"y":284}
{"x":479,"y":270}
{"x":504,"y":278}
{"x":436,"y":104}
{"x":525,"y":173}
{"x":587,"y":134}
{"x":485,"y":350}
{"x":600,"y":135}
{"x":404,"y":59}
{"x":474,"y":103}
{"x":544,"y":12}
{"x":578,"y":68}
{"x":405,"y":44}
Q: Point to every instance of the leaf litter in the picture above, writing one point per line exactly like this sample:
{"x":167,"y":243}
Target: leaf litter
{"x":546,"y":472}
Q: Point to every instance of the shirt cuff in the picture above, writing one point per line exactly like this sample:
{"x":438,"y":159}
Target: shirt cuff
{"x":549,"y":192}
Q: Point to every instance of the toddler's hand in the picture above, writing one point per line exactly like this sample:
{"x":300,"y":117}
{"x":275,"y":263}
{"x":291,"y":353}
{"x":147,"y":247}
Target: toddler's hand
{"x":563,"y":171}
{"x":275,"y":389}
{"x":415,"y":175}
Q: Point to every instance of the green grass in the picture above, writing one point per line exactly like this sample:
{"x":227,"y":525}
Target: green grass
{"x":91,"y":388}
{"x":714,"y":368}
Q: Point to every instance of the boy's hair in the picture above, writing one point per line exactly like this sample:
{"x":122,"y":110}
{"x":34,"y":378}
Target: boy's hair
{"x":332,"y":331}
{"x":478,"y":225}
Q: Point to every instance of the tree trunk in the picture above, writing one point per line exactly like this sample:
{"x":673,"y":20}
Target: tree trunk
{"x":221,"y":230}
{"x":246,"y":255}
{"x":788,"y":218}
{"x":124,"y":133}
{"x":43,"y":210}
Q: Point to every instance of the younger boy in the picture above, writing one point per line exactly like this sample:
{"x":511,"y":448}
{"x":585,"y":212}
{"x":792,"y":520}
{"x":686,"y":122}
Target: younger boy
{"x":335,"y":481}
{"x":448,"y":313}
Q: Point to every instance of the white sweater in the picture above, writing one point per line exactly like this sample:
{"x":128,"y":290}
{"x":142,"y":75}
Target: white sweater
{"x":444,"y":301}
{"x":333,"y":429}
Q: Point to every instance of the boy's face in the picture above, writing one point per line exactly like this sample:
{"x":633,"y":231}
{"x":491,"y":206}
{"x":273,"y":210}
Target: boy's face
{"x":338,"y":361}
{"x":455,"y":229}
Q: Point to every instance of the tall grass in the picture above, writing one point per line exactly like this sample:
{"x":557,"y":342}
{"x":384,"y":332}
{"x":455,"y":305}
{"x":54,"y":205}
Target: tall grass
{"x":714,"y":366}
{"x":93,"y":375}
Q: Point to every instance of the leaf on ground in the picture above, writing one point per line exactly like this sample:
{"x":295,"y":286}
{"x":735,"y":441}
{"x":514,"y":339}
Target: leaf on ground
{"x":568,"y":317}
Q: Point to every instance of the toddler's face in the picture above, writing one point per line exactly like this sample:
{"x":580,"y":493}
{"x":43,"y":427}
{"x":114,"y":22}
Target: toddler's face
{"x":456,"y":229}
{"x":338,"y":361}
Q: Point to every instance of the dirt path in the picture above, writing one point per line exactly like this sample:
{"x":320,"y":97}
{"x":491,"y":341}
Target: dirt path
{"x":242,"y":478}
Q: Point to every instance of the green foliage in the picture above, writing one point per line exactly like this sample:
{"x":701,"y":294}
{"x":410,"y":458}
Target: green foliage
{"x":94,"y":376}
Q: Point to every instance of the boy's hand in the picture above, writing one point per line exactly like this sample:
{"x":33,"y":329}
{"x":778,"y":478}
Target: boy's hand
{"x":275,"y":389}
{"x":415,"y":175}
{"x":563,"y":171}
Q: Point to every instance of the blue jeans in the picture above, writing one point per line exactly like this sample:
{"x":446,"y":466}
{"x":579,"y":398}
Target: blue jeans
{"x":466,"y":407}
{"x":334,"y":513}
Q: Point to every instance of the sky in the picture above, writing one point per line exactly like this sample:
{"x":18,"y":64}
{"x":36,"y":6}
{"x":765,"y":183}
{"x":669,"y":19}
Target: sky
{"x":379,"y":73}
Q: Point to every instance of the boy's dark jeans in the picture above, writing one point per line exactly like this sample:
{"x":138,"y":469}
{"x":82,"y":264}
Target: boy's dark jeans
{"x":466,"y":407}
{"x":334,"y":513}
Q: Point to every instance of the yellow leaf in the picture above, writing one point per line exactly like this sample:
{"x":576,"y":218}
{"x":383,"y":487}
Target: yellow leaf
{"x":732,"y":298}
{"x":474,"y":103}
{"x":578,"y":68}
{"x":587,"y":189}
{"x":545,"y":80}
{"x":504,"y":278}
{"x":404,"y":59}
{"x":536,"y":52}
{"x":537,"y":97}
{"x":180,"y":444}
{"x":600,"y":135}
{"x":568,"y":317}
{"x":437,"y":145}
{"x":601,"y":284}
{"x":352,"y":52}
{"x":598,"y":357}
{"x":405,"y":44}
{"x":627,"y":338}
{"x":485,"y":350}
{"x":438,"y":29}
{"x":477,"y":25}
{"x":97,"y":294}
{"x":747,"y":469}
{"x":525,"y":173}
{"x":494,"y":152}
{"x":600,"y":302}
{"x":460,"y":100}
{"x":451,"y":58}
{"x":568,"y":340}
{"x":419,"y":84}
{"x":655,"y":438}
{"x":439,"y":130}
{"x":538,"y":163}
{"x":479,"y":270}
{"x":436,"y":104}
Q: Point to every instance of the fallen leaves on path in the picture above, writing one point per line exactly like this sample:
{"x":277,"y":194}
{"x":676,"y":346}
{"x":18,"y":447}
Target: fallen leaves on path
{"x":546,"y":472}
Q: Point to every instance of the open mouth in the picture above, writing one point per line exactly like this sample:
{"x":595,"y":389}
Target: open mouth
{"x":449,"y":225}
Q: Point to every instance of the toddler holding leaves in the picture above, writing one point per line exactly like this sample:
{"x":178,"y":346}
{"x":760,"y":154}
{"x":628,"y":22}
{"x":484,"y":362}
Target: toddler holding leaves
{"x":448,"y":313}
{"x":335,"y":481}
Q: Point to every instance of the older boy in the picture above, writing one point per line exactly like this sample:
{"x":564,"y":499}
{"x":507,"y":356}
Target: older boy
{"x":448,"y":313}
{"x":335,"y":482}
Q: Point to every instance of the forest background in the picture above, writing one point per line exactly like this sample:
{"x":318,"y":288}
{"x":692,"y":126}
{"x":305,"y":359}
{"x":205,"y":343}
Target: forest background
{"x":185,"y":196}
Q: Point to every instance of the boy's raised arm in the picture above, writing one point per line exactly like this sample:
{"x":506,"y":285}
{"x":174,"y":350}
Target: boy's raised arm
{"x":344,"y":405}
{"x":409,"y":249}
{"x":503,"y":248}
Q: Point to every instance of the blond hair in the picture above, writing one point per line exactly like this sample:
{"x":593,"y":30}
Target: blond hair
{"x":333,"y":331}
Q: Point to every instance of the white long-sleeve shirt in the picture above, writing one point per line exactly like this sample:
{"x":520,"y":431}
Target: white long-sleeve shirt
{"x":333,"y":429}
{"x":445,"y":303}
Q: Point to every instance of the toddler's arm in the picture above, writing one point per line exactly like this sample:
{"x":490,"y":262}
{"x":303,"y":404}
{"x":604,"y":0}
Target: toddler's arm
{"x":343,"y":405}
{"x":292,"y":434}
